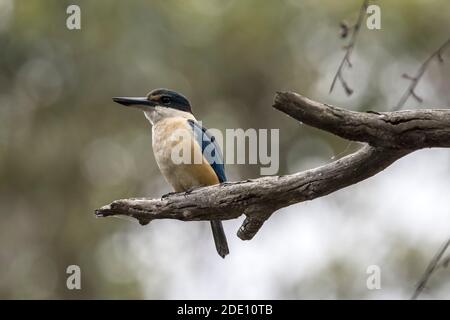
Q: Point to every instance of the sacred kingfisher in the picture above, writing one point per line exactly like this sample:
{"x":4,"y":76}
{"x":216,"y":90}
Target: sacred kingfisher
{"x":173,"y":123}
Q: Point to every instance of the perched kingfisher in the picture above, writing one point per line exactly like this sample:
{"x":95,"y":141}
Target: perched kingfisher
{"x":170,"y":115}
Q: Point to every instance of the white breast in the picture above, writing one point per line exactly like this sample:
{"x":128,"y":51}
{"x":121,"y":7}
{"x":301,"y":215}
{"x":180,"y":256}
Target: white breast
{"x":176,"y":134}
{"x":168,"y":135}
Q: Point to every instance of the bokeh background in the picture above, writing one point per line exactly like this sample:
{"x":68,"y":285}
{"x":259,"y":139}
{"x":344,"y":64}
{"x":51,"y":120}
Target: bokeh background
{"x":66,"y":148}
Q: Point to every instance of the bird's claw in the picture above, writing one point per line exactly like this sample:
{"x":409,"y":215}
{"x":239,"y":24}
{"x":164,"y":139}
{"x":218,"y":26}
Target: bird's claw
{"x":165,"y":196}
{"x":188,"y":191}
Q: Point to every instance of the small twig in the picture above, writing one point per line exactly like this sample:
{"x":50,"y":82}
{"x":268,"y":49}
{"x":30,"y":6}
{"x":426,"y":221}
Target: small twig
{"x":432,"y":267}
{"x":349,"y":48}
{"x":410,"y":91}
{"x":445,"y":262}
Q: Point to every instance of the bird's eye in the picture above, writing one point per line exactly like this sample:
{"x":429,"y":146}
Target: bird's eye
{"x":165,"y":100}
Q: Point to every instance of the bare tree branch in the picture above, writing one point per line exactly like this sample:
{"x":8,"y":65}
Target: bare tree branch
{"x":409,"y":129}
{"x":257,"y":198}
{"x":432,"y":267}
{"x":388,"y":137}
{"x":410,"y":91}
{"x":349,"y":48}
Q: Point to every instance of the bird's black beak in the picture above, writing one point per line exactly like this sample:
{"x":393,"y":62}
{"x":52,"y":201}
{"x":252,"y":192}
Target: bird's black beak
{"x":136,"y":102}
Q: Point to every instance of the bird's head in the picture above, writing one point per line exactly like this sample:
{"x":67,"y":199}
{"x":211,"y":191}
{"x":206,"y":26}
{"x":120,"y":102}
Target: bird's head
{"x":158,"y":101}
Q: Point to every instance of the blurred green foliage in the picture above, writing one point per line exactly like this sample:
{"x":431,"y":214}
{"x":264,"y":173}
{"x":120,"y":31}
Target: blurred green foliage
{"x":66,"y":149}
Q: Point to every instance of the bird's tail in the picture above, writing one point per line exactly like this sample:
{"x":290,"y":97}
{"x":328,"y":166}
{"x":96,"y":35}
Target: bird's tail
{"x":220,"y":240}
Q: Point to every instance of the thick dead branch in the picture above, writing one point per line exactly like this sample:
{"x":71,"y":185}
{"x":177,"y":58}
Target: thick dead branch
{"x":257,"y":198}
{"x":411,"y":129}
{"x":388,"y":136}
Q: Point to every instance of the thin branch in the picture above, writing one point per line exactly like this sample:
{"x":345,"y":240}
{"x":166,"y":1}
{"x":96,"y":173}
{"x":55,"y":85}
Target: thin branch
{"x":389,"y":136}
{"x":414,"y":80}
{"x":349,"y":48}
{"x":432,"y":267}
{"x":445,"y":262}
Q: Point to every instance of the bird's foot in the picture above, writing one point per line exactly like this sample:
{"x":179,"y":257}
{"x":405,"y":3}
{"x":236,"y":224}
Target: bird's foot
{"x":373,"y":112}
{"x":189,"y":191}
{"x":164,"y":196}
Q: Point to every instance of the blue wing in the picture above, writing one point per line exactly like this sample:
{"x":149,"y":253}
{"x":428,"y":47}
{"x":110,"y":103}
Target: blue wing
{"x":213,"y":154}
